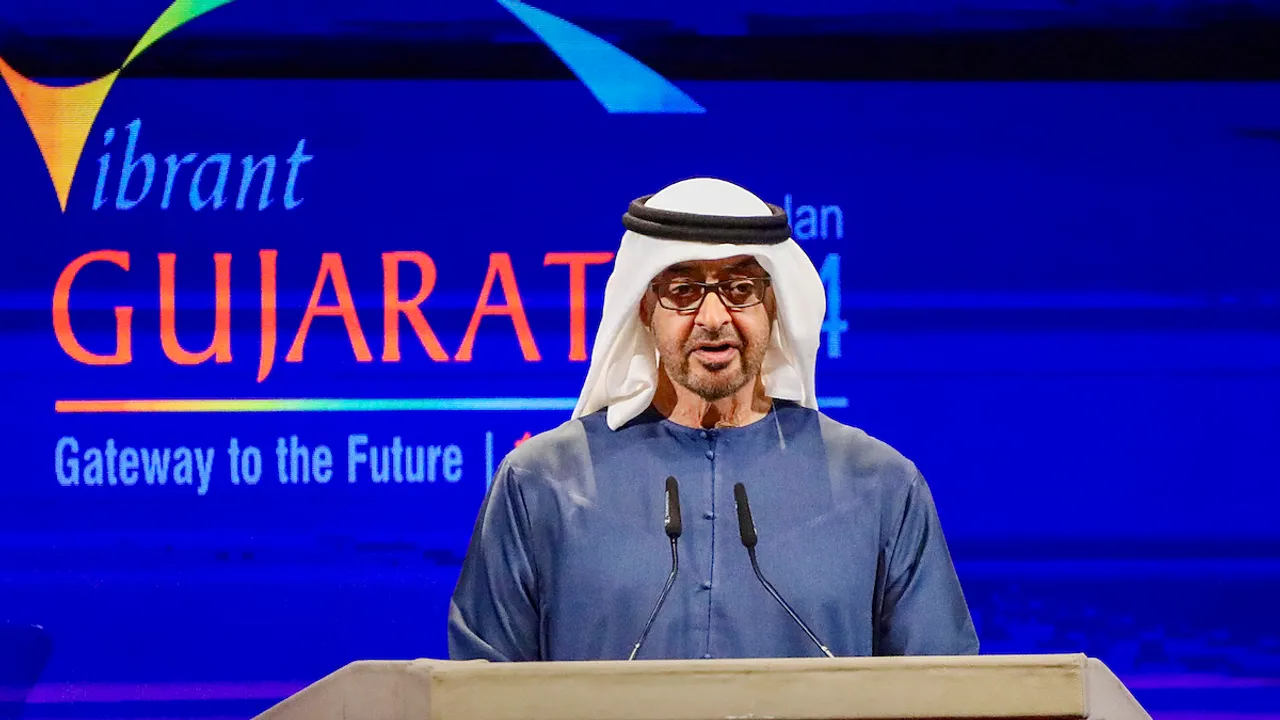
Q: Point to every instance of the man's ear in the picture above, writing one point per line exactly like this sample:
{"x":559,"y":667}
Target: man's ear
{"x":645,"y":310}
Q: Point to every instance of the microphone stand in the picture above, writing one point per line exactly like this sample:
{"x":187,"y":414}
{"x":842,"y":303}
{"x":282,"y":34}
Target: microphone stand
{"x":671,"y":579}
{"x":747,"y":530}
{"x":751,"y":552}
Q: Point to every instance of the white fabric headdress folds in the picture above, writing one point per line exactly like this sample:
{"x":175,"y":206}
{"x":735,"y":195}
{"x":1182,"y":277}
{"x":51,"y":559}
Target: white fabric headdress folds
{"x":702,"y":219}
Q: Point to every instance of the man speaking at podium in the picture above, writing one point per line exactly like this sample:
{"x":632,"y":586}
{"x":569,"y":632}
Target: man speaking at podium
{"x":621,"y":533}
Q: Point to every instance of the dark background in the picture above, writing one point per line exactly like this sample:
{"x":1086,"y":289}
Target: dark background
{"x":1056,"y":257}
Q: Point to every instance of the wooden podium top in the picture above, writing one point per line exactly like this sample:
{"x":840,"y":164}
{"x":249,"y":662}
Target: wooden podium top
{"x":994,"y":686}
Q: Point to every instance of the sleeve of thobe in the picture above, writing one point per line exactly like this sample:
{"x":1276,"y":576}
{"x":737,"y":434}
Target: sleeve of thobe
{"x":494,"y":611}
{"x":923,"y":610}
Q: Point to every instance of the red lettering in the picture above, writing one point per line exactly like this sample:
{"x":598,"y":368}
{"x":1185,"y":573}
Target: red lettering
{"x":220,"y":347}
{"x":577,"y":262}
{"x":62,"y":312}
{"x":500,"y":268}
{"x":331,"y":267}
{"x":267,"y":356}
{"x":393,"y":306}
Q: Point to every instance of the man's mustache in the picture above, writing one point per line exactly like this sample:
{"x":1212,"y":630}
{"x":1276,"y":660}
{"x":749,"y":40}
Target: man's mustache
{"x":699,"y":340}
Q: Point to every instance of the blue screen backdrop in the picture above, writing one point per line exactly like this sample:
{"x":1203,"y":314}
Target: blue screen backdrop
{"x":1076,"y":273}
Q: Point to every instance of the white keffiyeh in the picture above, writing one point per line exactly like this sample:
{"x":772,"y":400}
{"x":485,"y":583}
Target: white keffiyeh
{"x":624,"y":361}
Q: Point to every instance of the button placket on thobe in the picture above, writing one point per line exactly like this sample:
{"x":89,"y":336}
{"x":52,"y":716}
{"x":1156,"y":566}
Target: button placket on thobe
{"x":709,"y":439}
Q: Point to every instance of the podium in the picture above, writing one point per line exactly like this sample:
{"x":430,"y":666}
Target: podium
{"x":994,"y":686}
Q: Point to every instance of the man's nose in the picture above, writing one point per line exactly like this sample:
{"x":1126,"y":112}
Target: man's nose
{"x":713,"y":314}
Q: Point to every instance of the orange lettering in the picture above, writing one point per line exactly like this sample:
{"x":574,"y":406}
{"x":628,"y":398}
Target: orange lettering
{"x":62,"y":314}
{"x":577,"y":262}
{"x":331,"y":266}
{"x":393,"y":306}
{"x":267,"y":354}
{"x":500,"y":267}
{"x":220,"y":346}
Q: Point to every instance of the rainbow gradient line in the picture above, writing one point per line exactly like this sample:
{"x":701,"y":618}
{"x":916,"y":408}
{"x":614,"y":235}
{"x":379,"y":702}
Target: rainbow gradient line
{"x":60,"y":117}
{"x":260,"y":405}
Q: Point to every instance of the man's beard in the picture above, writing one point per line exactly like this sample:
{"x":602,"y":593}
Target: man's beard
{"x":715,"y":382}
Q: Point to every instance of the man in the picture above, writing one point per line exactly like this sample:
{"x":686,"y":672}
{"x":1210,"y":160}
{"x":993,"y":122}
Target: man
{"x":703,"y":369}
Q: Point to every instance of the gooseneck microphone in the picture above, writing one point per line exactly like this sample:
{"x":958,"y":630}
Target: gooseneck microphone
{"x":673,"y":527}
{"x":747,"y":529}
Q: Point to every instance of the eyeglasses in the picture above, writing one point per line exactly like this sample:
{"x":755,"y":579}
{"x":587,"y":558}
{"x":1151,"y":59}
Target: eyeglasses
{"x":686,"y":296}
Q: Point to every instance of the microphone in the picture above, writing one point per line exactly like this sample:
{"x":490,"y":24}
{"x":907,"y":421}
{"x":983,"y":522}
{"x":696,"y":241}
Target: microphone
{"x":673,"y":526}
{"x":747,"y":529}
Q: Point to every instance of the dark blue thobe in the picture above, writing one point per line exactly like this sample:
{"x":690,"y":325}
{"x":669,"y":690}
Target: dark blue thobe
{"x":568,"y":554}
